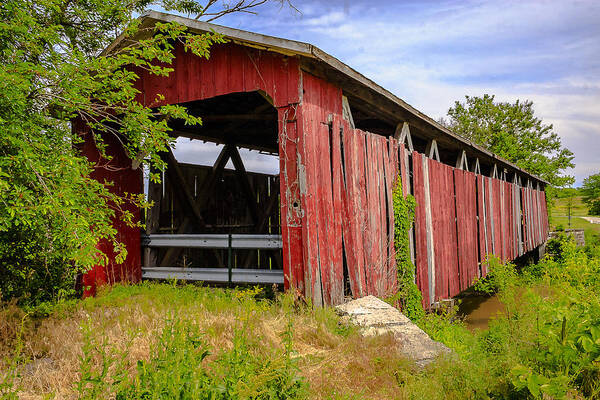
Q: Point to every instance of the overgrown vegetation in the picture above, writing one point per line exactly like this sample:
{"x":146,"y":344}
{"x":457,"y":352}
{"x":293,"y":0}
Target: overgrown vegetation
{"x":408,"y":295}
{"x":170,"y":341}
{"x":547,"y":343}
{"x":52,"y":213}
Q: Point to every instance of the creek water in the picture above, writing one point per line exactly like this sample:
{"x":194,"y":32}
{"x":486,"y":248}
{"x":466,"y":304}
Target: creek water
{"x":478,"y":310}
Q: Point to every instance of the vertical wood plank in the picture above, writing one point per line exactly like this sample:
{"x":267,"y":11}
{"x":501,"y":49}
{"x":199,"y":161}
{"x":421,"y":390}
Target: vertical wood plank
{"x":435,"y":280}
{"x":424,"y":280}
{"x":352,"y":249}
{"x":337,"y":294}
{"x":391,"y":172}
{"x":290,"y":160}
{"x":466,"y":222}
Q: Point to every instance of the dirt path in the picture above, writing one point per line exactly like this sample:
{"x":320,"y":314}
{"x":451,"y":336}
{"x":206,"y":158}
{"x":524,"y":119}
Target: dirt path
{"x":593,"y":220}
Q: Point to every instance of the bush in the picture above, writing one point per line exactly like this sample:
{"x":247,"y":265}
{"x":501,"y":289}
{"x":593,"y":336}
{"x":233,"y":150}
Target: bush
{"x":594,"y":208}
{"x":499,"y":276}
{"x":547,"y":343}
{"x":32,"y":270}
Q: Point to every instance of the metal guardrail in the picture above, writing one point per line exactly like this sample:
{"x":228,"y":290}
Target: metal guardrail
{"x":215,"y":241}
{"x":219,"y":275}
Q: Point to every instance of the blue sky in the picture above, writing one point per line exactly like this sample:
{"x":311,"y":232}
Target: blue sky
{"x":431,"y":53}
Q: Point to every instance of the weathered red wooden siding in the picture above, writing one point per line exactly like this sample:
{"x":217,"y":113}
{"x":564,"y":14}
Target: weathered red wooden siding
{"x":488,"y":221}
{"x":290,"y":198}
{"x":391,"y":177}
{"x":231,"y":68}
{"x":127,"y":180}
{"x":322,"y":236}
{"x":466,"y":222}
{"x":350,"y":200}
{"x":443,"y":214}
{"x":497,"y":214}
{"x":484,"y":225}
{"x":421,"y":259}
{"x":460,"y":220}
{"x":348,"y":210}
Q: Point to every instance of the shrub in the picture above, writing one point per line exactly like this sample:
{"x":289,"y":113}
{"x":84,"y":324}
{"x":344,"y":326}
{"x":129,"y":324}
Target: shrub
{"x":499,"y":276}
{"x":594,"y":208}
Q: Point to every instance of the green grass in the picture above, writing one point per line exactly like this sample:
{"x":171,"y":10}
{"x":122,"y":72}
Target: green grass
{"x":577,"y":223}
{"x":559,"y":217}
{"x":561,"y":206}
{"x":170,"y":341}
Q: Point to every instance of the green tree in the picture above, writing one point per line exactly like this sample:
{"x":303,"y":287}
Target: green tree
{"x":591,"y":193}
{"x":52,"y":214}
{"x":513,"y":132}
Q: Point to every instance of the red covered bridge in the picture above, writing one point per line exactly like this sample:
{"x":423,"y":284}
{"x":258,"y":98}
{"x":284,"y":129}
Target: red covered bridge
{"x":324,"y":224}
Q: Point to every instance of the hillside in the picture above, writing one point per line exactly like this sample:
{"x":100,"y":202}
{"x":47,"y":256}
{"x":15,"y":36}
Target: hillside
{"x":560,"y":212}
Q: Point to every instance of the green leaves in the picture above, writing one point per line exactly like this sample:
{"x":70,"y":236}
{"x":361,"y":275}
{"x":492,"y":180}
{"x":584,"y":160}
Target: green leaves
{"x":591,"y":193}
{"x":500,"y":276}
{"x":54,"y":83}
{"x":511,"y":131}
{"x":408,"y":293}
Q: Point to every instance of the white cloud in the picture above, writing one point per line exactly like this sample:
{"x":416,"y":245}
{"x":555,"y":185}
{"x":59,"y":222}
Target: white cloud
{"x":433,"y":53}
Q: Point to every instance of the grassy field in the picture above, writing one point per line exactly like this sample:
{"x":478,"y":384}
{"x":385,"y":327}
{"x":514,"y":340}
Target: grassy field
{"x":170,"y":341}
{"x":559,"y":217}
{"x":228,"y":343}
{"x":578,"y":207}
{"x":173,"y":341}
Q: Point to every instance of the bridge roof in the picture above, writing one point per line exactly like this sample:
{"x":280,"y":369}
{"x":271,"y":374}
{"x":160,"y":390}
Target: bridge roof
{"x":316,"y":61}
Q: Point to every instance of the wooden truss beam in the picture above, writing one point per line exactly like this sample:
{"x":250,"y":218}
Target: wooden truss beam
{"x":432,"y":150}
{"x":172,"y":253}
{"x":461,"y":161}
{"x":494,"y":173}
{"x":347,"y":113}
{"x":245,"y":181}
{"x":184,"y":194}
{"x":477,"y":168}
{"x":403,"y":135}
{"x":229,"y":151}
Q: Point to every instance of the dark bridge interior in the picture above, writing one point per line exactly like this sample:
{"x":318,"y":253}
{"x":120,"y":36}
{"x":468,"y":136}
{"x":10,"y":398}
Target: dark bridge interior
{"x":210,"y":220}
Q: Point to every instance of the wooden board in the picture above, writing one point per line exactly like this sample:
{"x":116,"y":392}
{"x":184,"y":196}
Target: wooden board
{"x":127,"y":180}
{"x":322,"y":239}
{"x":497,"y":214}
{"x":231,"y":68}
{"x":466,"y":222}
{"x":483,"y":224}
{"x":352,"y":240}
{"x":421,"y":256}
{"x":291,"y":203}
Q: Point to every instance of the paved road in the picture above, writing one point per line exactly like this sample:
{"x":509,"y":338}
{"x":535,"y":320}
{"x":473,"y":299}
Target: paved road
{"x":593,"y":220}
